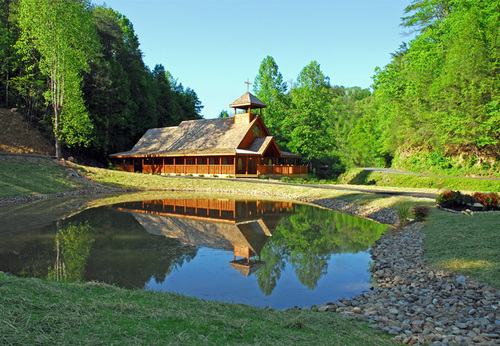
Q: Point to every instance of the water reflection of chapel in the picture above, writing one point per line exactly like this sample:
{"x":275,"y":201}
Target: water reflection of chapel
{"x":239,"y":226}
{"x":240,"y":146}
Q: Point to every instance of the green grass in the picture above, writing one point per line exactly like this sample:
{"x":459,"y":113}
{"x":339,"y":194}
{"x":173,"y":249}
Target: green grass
{"x":362,"y":177}
{"x":35,"y":311}
{"x":465,"y":244}
{"x":243,"y":187}
{"x":27,"y":178}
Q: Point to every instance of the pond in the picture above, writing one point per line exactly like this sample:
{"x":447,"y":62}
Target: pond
{"x":256,"y":252}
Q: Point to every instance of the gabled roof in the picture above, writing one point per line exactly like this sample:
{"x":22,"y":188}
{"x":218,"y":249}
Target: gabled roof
{"x":248,"y":100}
{"x":204,"y":137}
{"x":260,"y":144}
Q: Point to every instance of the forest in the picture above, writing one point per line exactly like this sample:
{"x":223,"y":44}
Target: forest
{"x":86,"y":85}
{"x":435,"y":107}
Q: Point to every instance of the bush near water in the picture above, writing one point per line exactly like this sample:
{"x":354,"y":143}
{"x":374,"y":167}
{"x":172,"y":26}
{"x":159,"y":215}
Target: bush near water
{"x":457,"y":200}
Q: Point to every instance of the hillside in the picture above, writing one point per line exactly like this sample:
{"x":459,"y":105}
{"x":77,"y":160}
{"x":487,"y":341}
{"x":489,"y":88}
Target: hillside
{"x":19,"y":136}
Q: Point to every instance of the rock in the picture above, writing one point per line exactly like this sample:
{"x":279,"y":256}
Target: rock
{"x":461,"y":278}
{"x":323,"y":308}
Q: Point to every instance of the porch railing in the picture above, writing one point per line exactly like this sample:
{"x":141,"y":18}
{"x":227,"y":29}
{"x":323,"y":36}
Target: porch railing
{"x":281,"y":169}
{"x":189,"y":169}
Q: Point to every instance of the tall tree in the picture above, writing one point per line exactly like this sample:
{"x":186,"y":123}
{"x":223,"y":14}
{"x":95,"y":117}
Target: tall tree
{"x":8,"y":36}
{"x":308,"y":123}
{"x":63,"y":33}
{"x":270,"y":88}
{"x":422,"y":14}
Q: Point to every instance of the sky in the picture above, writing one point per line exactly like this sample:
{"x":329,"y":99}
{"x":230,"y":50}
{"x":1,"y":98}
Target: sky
{"x":214,"y":46}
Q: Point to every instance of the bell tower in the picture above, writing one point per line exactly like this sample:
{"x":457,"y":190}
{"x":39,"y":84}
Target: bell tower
{"x":247,"y":102}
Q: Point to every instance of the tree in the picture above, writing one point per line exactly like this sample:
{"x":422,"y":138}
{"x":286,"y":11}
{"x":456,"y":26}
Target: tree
{"x":308,"y":123}
{"x":223,"y":114}
{"x":63,"y":33}
{"x":8,"y":35}
{"x":423,"y":14}
{"x":270,"y":88}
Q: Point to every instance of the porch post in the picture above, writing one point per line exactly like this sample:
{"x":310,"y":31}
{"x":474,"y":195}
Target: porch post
{"x":184,"y":165}
{"x":246,"y":168}
{"x":196,"y":169}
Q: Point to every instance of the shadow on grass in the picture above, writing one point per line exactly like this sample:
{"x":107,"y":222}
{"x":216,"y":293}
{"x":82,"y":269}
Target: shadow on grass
{"x":362,"y":178}
{"x":362,"y":198}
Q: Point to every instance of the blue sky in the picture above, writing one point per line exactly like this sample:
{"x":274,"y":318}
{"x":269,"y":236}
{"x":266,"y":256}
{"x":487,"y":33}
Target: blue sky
{"x":213,"y":46}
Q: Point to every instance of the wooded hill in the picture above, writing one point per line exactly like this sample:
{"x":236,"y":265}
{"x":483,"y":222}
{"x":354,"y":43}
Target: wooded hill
{"x":434,"y":108}
{"x":77,"y":72}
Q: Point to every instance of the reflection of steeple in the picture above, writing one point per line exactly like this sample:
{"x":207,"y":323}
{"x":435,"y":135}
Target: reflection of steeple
{"x":246,"y":267}
{"x":240,"y":226}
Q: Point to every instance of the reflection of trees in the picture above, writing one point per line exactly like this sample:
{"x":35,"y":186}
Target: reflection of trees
{"x":126,"y":255}
{"x":121,"y":251}
{"x":73,"y":245}
{"x":306,"y":240}
{"x":273,"y":254}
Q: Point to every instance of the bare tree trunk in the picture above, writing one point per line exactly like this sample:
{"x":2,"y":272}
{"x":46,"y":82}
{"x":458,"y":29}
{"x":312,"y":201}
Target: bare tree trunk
{"x":56,"y":132}
{"x":56,"y":89}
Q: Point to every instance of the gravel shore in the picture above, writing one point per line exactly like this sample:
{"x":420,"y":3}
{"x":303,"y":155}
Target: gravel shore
{"x":421,"y":305}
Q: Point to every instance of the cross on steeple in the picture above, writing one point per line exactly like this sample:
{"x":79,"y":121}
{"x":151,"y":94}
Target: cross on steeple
{"x":248,"y":85}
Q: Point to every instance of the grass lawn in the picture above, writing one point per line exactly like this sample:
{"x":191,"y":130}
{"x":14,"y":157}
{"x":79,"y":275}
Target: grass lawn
{"x":28,"y":178}
{"x":465,"y":244}
{"x":243,"y":187}
{"x":34,"y":311}
{"x":358,"y":176}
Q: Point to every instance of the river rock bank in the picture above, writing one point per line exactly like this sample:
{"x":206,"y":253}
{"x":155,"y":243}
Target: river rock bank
{"x":421,"y":305}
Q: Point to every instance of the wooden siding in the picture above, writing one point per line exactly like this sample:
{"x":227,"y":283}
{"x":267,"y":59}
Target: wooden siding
{"x":282,"y":170}
{"x":189,"y":169}
{"x":250,"y":166}
{"x":250,"y":137}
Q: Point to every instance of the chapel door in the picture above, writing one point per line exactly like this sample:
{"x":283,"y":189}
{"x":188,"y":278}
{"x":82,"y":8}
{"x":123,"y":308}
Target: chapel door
{"x":252,"y":165}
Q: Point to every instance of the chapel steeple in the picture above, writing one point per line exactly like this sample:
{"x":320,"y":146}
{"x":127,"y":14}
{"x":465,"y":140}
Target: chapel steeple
{"x":246,"y":102}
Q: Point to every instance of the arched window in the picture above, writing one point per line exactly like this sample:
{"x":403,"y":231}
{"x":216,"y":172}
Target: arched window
{"x":224,"y":160}
{"x":212,"y":161}
{"x":240,"y":164}
{"x":270,"y":162}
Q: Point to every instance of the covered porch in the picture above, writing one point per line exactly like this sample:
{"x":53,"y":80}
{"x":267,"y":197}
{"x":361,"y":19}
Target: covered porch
{"x":248,"y":166}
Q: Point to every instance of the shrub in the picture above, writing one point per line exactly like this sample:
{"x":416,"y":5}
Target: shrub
{"x":488,"y":200}
{"x":421,"y":212}
{"x":201,"y":175}
{"x":262,"y":176}
{"x":403,"y":210}
{"x":454,"y":199}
